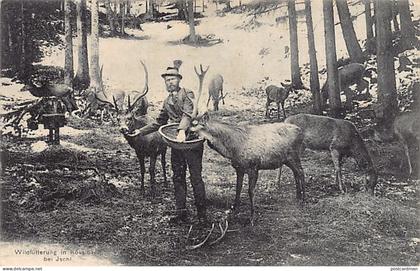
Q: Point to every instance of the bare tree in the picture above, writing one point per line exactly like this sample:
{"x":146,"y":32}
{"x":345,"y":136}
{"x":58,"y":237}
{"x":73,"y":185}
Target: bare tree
{"x":81,"y":81}
{"x":353,"y":47}
{"x":95,"y":79}
{"x":110,"y":14}
{"x":331,"y":55}
{"x":190,"y":6}
{"x":407,"y":27}
{"x":122,"y":14}
{"x":387,"y":106}
{"x":294,"y":49}
{"x":314,"y":79}
{"x":369,"y":27}
{"x":68,"y":59}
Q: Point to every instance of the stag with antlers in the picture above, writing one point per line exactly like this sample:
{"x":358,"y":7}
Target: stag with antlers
{"x":179,"y":107}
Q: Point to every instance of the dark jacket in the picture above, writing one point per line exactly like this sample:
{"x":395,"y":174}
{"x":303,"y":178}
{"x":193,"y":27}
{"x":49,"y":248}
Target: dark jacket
{"x":172,"y":111}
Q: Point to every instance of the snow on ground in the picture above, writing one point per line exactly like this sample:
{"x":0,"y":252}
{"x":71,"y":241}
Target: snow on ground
{"x":244,"y":57}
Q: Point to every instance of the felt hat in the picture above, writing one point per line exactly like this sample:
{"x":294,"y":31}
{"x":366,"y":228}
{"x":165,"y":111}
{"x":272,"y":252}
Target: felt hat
{"x":172,"y":71}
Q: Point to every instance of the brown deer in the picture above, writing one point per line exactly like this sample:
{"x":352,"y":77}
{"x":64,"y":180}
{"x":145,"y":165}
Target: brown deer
{"x":150,"y":145}
{"x":216,"y":91}
{"x":348,"y":75}
{"x":278,"y":95}
{"x":407,"y":130}
{"x":341,"y":138}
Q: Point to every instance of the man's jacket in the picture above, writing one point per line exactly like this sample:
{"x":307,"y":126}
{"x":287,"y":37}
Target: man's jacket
{"x":172,"y":111}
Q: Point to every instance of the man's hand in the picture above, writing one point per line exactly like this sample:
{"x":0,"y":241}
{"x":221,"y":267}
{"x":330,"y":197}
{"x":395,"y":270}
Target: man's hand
{"x":181,"y":136}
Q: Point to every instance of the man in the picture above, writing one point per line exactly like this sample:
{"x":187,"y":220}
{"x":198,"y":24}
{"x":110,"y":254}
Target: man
{"x":178,"y":101}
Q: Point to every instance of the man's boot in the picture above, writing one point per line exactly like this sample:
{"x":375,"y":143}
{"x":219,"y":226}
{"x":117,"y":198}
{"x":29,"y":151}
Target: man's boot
{"x":180,"y":217}
{"x":201,"y":214}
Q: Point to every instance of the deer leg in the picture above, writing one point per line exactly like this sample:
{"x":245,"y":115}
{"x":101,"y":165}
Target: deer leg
{"x":163,"y":163}
{"x":267,"y":112}
{"x":337,"y":159}
{"x":296,"y":167}
{"x":279,"y":175}
{"x":223,"y":97}
{"x":239,"y":181}
{"x":152,"y":175}
{"x":142,"y":172}
{"x":252,"y":182}
{"x":282,"y":106}
{"x":278,"y":110}
{"x":407,"y":156}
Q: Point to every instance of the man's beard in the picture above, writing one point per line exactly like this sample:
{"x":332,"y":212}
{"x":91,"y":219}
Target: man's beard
{"x":172,"y":88}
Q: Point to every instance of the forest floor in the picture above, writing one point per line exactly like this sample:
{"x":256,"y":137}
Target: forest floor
{"x":84,"y":197}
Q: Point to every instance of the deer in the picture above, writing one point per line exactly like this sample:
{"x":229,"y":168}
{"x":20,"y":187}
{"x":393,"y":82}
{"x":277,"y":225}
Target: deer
{"x":251,"y":148}
{"x":134,"y":116}
{"x":348,"y":75}
{"x":407,"y":131}
{"x":341,"y":138}
{"x":216,"y":91}
{"x":278,"y":95}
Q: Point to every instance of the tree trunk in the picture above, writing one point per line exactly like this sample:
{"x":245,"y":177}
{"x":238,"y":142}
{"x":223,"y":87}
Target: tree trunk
{"x":294,"y":49}
{"x":122,"y":12}
{"x":151,"y":7}
{"x":95,"y":80}
{"x":190,"y":7}
{"x":110,"y":16}
{"x":128,"y":7}
{"x":203,"y":6}
{"x":387,"y":106}
{"x":353,"y":47}
{"x":407,"y":27}
{"x":314,"y":79}
{"x":81,"y":81}
{"x":68,"y":59}
{"x":369,"y":27}
{"x":394,"y":15}
{"x":330,"y":52}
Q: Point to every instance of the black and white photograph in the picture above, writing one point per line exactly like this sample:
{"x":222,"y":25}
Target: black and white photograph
{"x":170,"y":133}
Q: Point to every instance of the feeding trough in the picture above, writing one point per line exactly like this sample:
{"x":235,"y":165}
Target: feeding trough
{"x":169,"y":133}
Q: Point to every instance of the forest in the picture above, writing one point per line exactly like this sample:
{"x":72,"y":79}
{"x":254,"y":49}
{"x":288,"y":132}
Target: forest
{"x":330,"y":89}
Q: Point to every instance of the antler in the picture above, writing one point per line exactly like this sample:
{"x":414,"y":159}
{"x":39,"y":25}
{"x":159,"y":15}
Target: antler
{"x":192,"y":247}
{"x":145,"y":89}
{"x":200,"y":88}
{"x":223,"y":232}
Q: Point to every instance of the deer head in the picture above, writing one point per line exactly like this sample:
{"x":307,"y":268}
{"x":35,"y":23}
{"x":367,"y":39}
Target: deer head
{"x":132,"y":115}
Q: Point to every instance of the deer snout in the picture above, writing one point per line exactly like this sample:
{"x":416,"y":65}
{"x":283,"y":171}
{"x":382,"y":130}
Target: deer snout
{"x":124,"y":130}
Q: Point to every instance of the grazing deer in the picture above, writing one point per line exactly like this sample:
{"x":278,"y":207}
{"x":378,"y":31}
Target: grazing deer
{"x":348,"y":75}
{"x":150,"y":145}
{"x":341,"y":138}
{"x":278,"y":95}
{"x":407,"y":130}
{"x":216,"y":91}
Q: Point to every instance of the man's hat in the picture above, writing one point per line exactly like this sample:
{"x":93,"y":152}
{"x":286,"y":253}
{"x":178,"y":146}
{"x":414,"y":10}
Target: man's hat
{"x":172,"y":71}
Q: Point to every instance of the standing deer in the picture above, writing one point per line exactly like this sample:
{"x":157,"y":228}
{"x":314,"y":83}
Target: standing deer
{"x":341,"y":138}
{"x":348,"y":75}
{"x":278,"y":95}
{"x":150,"y":145}
{"x":216,"y":91}
{"x":407,"y":130}
{"x":251,"y":148}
